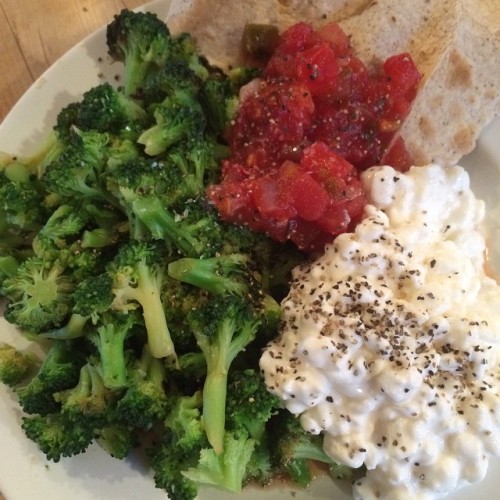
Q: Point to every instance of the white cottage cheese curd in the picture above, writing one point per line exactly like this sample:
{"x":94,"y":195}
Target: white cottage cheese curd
{"x":390,"y":340}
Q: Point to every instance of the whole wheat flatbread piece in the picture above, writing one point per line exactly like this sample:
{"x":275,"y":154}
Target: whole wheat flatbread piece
{"x":217,"y":25}
{"x":455,"y":44}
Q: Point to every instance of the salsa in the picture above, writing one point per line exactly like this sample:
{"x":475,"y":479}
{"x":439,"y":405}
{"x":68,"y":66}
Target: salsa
{"x":304,"y":130}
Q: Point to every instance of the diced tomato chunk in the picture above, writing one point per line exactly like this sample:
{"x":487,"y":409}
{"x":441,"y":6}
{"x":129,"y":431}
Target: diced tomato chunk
{"x":309,"y":198}
{"x":403,"y":73}
{"x":336,"y":37}
{"x":317,"y":68}
{"x":397,"y":155}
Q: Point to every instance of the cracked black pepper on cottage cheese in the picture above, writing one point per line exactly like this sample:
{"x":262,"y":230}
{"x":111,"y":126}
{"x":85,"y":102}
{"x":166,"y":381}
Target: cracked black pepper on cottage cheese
{"x":390,"y":342}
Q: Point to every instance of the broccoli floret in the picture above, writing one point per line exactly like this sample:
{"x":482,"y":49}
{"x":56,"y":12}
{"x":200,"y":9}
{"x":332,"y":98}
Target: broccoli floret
{"x":144,"y":403}
{"x":104,"y":109}
{"x":117,"y":440}
{"x":150,"y":179}
{"x":220,"y":275}
{"x":109,"y":337}
{"x":179,"y":299}
{"x":39,"y":295}
{"x":107,"y":109}
{"x":66,"y":120}
{"x":175,"y":74}
{"x":223,"y":327}
{"x":57,"y":436}
{"x":8,"y":266}
{"x":63,"y":238}
{"x":59,"y":371}
{"x":184,"y":420}
{"x":179,"y":117}
{"x":93,"y":296}
{"x":79,"y":170}
{"x":168,"y":461}
{"x":15,"y":365}
{"x":226,"y":469}
{"x":216,"y":99}
{"x":137,"y":273}
{"x":249,"y":404}
{"x":63,"y":225}
{"x":197,"y":162}
{"x":89,"y":402}
{"x":196,"y":231}
{"x":22,"y":197}
{"x":179,"y":448}
{"x":185,"y":49}
{"x":293,"y":448}
{"x":142,"y":42}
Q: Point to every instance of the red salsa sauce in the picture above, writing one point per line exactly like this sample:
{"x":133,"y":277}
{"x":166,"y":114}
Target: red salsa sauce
{"x":305,"y":130}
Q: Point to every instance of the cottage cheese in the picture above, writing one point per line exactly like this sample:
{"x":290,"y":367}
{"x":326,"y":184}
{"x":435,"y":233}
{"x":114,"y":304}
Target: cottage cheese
{"x":390,"y":344}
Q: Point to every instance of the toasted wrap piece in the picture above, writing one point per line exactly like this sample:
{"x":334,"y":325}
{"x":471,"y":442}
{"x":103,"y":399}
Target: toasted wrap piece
{"x":218,"y":25}
{"x":455,"y":44}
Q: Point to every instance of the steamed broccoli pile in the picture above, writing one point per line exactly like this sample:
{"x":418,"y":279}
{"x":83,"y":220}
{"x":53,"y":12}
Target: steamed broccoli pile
{"x":153,"y":312}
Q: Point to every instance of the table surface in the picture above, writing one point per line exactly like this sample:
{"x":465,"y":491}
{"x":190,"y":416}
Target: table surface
{"x":35,"y":33}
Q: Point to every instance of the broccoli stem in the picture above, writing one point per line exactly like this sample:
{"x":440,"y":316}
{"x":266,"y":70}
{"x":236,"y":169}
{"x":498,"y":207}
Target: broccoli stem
{"x":110,"y":342}
{"x":72,"y":330}
{"x":147,"y":294}
{"x":162,"y":224}
{"x":215,"y":274}
{"x":214,"y":400}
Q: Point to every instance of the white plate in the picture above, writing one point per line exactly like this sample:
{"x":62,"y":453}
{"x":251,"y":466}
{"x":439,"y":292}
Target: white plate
{"x":24,"y":472}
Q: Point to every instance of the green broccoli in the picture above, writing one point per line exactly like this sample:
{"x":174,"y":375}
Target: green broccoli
{"x":196,"y":231}
{"x":38,"y":295}
{"x":106,"y":109}
{"x":74,"y":328}
{"x":223,"y":327}
{"x":62,"y":226}
{"x":149,"y":179}
{"x":221,"y":274}
{"x":57,"y":436}
{"x":79,"y":171}
{"x":185,"y":49}
{"x":173,"y":75}
{"x":22,"y":198}
{"x":142,"y":42}
{"x":144,"y":403}
{"x":216,"y":99}
{"x":179,"y":447}
{"x":184,"y":420}
{"x":117,"y":439}
{"x":15,"y":365}
{"x":93,"y":296}
{"x":89,"y":402}
{"x":137,"y":272}
{"x":110,"y":336}
{"x":293,"y":448}
{"x":179,"y":117}
{"x":197,"y":161}
{"x":59,"y":371}
{"x":168,"y":461}
{"x":102,"y":108}
{"x":226,"y":469}
{"x":249,"y":404}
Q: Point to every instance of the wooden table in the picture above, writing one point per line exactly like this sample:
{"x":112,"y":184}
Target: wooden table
{"x":35,"y":33}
